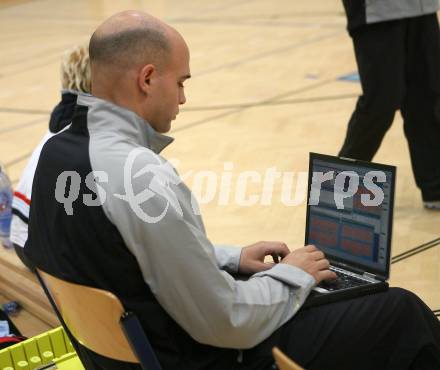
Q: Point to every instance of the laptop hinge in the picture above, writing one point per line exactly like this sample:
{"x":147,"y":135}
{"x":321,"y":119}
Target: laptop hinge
{"x":346,"y":267}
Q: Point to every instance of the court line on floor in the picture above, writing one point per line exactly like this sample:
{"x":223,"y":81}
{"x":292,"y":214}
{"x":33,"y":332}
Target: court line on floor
{"x":212,"y":107}
{"x":264,"y":101}
{"x":268,"y":53}
{"x":257,"y":23}
{"x":22,"y":69}
{"x":416,"y":250}
{"x":23,"y":34}
{"x":300,"y":25}
{"x":41,"y":54}
{"x":224,"y":6}
{"x":23,"y":110}
{"x":239,"y":107}
{"x":242,"y":107}
{"x":215,"y":107}
{"x":274,"y":98}
{"x":23,"y":125}
{"x":206,"y":120}
{"x":271,"y":101}
{"x":264,"y":17}
{"x":214,"y":69}
{"x":10,"y":4}
{"x":18,"y":159}
{"x":53,"y":56}
{"x":233,"y":64}
{"x":271,"y":21}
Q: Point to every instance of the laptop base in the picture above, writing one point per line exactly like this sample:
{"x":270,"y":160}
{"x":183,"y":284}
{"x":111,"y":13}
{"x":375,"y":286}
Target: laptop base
{"x":317,"y":299}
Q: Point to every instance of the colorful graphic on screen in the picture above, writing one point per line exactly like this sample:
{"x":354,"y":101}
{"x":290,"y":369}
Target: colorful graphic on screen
{"x":358,"y":232}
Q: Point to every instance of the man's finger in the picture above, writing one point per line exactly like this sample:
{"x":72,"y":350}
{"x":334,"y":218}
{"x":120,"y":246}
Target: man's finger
{"x":317,"y":255}
{"x":326,"y":275}
{"x":280,"y":249}
{"x":310,"y":248}
{"x":323,"y":264}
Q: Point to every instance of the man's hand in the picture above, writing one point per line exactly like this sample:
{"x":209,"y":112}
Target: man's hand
{"x":252,"y":256}
{"x":311,"y":260}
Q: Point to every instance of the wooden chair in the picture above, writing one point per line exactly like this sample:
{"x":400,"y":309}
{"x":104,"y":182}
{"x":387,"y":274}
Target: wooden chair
{"x":97,"y":319}
{"x":283,"y":362}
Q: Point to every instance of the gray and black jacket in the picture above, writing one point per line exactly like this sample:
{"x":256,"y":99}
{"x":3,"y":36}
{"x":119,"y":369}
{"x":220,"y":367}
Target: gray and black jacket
{"x":109,"y":212}
{"x":362,"y":12}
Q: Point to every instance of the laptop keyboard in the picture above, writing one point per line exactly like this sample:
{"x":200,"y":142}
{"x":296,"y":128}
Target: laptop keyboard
{"x":342,"y":282}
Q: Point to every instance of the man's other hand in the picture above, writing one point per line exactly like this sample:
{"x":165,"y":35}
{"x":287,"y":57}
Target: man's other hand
{"x":311,"y":260}
{"x":252,"y":257}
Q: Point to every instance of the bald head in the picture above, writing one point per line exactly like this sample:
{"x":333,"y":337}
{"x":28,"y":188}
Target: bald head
{"x":140,"y":63}
{"x":130,"y":39}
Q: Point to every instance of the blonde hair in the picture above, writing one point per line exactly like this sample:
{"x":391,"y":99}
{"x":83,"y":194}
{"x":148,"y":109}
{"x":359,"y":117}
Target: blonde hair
{"x":75,"y":70}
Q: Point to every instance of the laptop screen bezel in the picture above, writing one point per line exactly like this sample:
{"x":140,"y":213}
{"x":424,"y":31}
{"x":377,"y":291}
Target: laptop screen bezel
{"x":369,"y":165}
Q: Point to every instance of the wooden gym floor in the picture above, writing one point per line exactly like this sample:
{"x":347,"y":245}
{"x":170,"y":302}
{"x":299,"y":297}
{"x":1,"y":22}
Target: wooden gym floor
{"x":265,"y":92}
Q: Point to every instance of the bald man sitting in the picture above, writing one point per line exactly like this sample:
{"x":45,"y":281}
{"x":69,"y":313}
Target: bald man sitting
{"x":109,"y":212}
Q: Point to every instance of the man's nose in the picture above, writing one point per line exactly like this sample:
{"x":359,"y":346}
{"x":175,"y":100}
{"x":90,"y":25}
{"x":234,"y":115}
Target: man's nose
{"x":182,"y":98}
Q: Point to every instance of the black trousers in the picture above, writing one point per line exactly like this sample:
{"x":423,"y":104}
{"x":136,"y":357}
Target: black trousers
{"x":399,"y":68}
{"x":392,"y":330}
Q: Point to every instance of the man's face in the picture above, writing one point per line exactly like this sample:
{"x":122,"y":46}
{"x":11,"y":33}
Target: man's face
{"x":168,"y":91}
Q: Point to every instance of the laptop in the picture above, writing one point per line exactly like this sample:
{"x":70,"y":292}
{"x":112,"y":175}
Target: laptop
{"x":350,"y":218}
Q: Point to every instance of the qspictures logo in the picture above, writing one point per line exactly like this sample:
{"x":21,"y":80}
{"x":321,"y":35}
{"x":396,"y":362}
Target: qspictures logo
{"x":159,"y":179}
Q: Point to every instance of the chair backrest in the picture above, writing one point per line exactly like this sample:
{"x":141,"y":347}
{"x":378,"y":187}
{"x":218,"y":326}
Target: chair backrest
{"x":284,"y":362}
{"x":93,"y":317}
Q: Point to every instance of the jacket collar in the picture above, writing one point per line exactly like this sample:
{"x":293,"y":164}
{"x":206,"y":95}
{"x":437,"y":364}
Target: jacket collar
{"x":62,"y":114}
{"x":104,"y":115}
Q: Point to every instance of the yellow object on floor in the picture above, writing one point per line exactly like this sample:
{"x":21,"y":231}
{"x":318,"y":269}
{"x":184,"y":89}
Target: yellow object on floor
{"x":52,"y":347}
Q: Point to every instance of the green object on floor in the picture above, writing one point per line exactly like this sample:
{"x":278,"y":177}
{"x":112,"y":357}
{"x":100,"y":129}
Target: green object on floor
{"x":51,"y":347}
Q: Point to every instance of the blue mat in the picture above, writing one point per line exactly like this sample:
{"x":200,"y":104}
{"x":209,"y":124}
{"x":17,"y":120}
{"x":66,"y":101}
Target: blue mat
{"x":351,"y":77}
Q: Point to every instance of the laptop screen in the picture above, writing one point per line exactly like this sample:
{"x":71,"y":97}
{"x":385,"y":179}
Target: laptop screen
{"x":350,"y":210}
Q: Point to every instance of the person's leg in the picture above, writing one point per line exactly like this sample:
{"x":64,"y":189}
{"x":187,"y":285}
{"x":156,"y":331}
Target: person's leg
{"x":421,"y":106}
{"x":379,"y":50}
{"x":428,"y":355}
{"x":390,"y":330}
{"x":382,"y":331}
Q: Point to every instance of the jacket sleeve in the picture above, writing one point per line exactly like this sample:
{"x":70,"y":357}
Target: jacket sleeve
{"x":181,"y":266}
{"x":228,"y":257}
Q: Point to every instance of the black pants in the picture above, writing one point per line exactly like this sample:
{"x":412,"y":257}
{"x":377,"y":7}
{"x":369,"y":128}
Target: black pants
{"x":399,"y":67}
{"x":393,"y":330}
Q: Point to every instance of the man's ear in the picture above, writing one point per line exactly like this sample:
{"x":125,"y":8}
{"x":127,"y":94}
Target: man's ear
{"x":144,"y":77}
